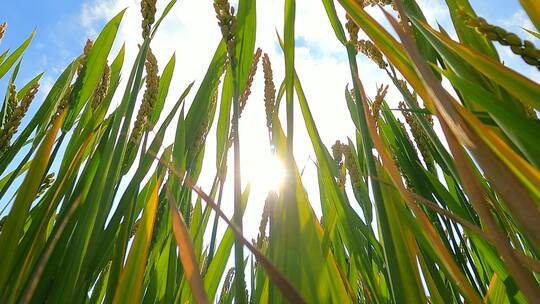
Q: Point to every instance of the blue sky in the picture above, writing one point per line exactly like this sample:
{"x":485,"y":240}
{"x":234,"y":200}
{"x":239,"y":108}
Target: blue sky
{"x":58,"y":36}
{"x":64,"y":25}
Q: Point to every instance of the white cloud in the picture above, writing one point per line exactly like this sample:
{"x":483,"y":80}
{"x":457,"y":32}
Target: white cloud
{"x":191,"y":31}
{"x":436,"y":11}
{"x":517,"y":22}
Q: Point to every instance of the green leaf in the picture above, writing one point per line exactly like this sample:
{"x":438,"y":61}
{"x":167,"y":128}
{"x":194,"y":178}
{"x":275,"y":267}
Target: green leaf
{"x":467,"y":35}
{"x":163,"y":90}
{"x":201,"y":101}
{"x":535,"y":34}
{"x":129,"y":287}
{"x":334,"y":20}
{"x":219,"y":261}
{"x":521,"y":87}
{"x":13,"y":228}
{"x":522,"y":131}
{"x":93,"y":67}
{"x":13,"y":57}
{"x":288,"y":49}
{"x":5,"y":104}
{"x":532,"y":8}
{"x":224,"y":119}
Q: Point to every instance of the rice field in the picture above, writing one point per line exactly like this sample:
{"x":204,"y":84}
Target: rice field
{"x":435,"y":199}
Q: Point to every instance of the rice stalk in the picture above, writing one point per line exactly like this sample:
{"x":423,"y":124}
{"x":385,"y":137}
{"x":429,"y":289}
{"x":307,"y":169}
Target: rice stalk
{"x":455,"y":202}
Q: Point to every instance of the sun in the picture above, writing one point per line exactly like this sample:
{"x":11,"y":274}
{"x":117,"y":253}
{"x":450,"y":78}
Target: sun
{"x":263,"y":170}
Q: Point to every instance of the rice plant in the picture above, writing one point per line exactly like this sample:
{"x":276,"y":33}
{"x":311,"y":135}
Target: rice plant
{"x":436,"y":200}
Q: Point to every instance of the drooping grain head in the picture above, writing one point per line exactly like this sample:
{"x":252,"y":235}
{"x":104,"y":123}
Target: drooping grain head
{"x":370,"y":50}
{"x":525,"y":49}
{"x":352,"y":28}
{"x":365,"y":3}
{"x":148,"y":12}
{"x":419,"y":135}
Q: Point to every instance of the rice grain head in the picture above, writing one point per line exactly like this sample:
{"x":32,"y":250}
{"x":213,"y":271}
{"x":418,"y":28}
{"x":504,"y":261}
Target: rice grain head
{"x":419,"y":135}
{"x":103,"y":88}
{"x":12,"y":101}
{"x":226,"y":286}
{"x":365,"y":3}
{"x":227,"y":24}
{"x":62,"y":105}
{"x":525,"y":49}
{"x":252,"y":71}
{"x":3,"y":28}
{"x":531,"y":112}
{"x":337,"y":152}
{"x":18,"y":113}
{"x":406,"y":178}
{"x":148,"y":11}
{"x":367,"y":48}
{"x":379,"y":98}
{"x":87,"y":46}
{"x":149,"y":97}
{"x":205,"y":126}
{"x":353,"y":29}
{"x":269,"y":91}
{"x":352,"y":167}
{"x":271,"y":199}
{"x":46,"y":184}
